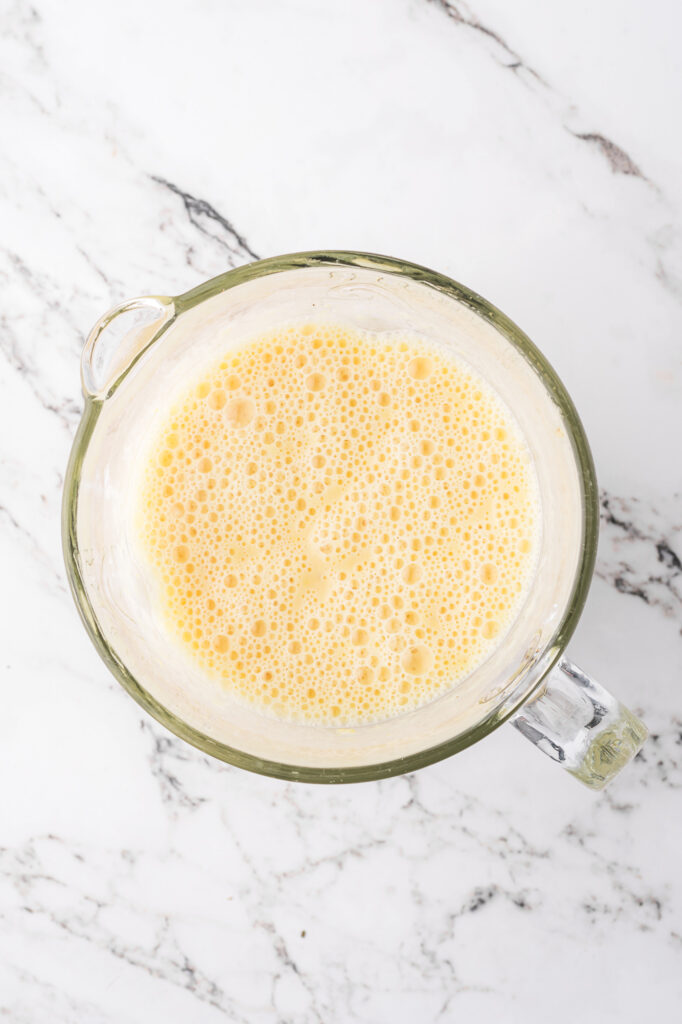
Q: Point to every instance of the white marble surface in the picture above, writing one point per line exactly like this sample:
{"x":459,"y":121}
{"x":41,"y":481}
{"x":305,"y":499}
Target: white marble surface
{"x":530,"y":150}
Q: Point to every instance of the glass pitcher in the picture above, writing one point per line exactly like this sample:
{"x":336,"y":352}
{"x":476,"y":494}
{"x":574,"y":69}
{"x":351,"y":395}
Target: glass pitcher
{"x":140,"y":352}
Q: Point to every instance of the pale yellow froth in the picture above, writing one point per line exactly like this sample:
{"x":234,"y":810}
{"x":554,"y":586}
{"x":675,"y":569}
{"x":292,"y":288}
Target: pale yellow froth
{"x":340,"y":525}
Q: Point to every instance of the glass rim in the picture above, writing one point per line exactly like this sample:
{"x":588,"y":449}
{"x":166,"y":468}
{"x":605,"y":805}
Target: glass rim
{"x":557,"y":643}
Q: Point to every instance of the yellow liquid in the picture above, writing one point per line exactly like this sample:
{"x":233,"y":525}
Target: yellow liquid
{"x":340,"y":526}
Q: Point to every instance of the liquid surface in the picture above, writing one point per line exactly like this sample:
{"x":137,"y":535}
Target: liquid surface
{"x":341,"y":526}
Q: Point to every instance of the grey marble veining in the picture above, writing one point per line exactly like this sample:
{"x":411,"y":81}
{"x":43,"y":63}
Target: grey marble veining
{"x":526,"y":153}
{"x":639,"y":549}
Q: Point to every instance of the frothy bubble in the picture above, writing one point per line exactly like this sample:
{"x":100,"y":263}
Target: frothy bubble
{"x":341,"y":525}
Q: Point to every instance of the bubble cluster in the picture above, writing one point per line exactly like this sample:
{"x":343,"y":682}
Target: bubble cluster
{"x":341,"y":525}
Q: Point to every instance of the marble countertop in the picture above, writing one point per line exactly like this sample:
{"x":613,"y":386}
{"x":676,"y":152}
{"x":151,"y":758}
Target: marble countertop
{"x":530,"y":150}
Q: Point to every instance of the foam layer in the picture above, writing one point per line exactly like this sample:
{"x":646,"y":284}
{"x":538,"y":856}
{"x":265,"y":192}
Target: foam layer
{"x":340,"y":526}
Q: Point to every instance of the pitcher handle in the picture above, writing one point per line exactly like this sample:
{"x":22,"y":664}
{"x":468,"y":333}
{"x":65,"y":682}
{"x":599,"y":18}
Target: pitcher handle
{"x":118,"y":338}
{"x":580,"y":725}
